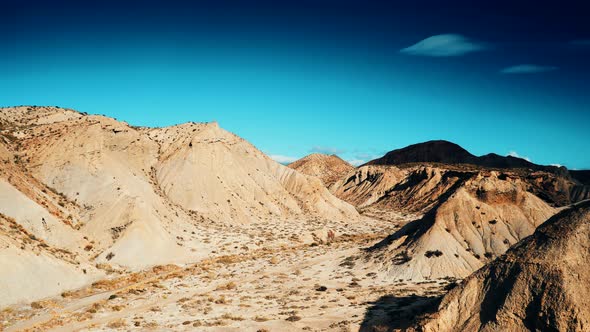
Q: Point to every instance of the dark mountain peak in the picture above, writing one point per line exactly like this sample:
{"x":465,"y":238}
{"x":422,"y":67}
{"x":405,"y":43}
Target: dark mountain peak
{"x":496,"y":161}
{"x":445,"y":152}
{"x":581,"y":176}
{"x":438,"y":151}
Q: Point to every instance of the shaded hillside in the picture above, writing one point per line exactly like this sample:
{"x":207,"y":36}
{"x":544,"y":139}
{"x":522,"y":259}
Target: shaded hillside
{"x":582,"y":177}
{"x":432,"y":151}
{"x":556,"y":189}
{"x":415,"y":189}
{"x":328,"y":168}
{"x":538,"y":285}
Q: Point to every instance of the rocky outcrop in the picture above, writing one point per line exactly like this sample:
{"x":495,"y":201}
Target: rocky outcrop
{"x":415,"y":189}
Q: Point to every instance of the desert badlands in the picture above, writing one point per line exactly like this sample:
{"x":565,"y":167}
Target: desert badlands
{"x":108,"y":226}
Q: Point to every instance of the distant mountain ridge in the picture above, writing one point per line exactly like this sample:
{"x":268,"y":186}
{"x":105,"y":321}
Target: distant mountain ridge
{"x":438,"y":151}
{"x":555,"y":184}
{"x":445,"y":152}
{"x":582,"y":176}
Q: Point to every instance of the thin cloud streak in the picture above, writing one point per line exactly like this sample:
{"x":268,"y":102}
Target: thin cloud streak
{"x":326,"y":150}
{"x":281,"y":159}
{"x":516,"y":155}
{"x":528,"y":69}
{"x":444,"y":45}
{"x":356,"y":162}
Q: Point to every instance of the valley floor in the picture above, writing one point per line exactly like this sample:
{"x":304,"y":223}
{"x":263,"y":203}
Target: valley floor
{"x":280,"y":284}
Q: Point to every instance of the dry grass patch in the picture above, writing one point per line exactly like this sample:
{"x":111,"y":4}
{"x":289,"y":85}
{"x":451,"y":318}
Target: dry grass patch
{"x":229,"y":286}
{"x":230,"y":259}
{"x":43,"y":304}
{"x":232,"y":317}
{"x":117,"y":324}
{"x":95,"y":308}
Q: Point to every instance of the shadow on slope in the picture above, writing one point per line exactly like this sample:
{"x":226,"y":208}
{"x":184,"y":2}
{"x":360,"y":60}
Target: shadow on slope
{"x":416,"y":228}
{"x":391,"y":313}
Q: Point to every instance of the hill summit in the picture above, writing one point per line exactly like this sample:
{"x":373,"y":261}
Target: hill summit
{"x":438,"y":151}
{"x":445,"y":152}
{"x":328,"y":168}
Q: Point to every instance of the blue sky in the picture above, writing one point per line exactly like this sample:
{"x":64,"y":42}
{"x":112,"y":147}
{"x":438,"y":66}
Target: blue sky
{"x":346,"y":77}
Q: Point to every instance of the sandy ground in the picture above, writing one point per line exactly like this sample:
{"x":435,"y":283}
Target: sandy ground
{"x":260,"y":279}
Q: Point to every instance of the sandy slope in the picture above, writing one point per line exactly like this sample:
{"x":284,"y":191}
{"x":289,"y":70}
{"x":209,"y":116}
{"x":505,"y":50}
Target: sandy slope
{"x":122,"y":197}
{"x":540,"y":284}
{"x":32,"y":269}
{"x":206,"y":169}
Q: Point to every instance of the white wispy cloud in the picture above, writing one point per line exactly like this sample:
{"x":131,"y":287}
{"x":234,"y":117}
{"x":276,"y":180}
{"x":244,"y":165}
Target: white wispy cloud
{"x":444,"y":45}
{"x":516,"y":155}
{"x":362,"y":157}
{"x":356,"y":162}
{"x":326,"y":150}
{"x":365,"y":156}
{"x":528,"y":69}
{"x":283,"y":159}
{"x":556,"y":165}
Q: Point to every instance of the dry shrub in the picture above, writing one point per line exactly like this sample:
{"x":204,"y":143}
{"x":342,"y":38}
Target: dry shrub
{"x":95,"y":308}
{"x":230,"y":259}
{"x":117,"y":324}
{"x":42,"y":304}
{"x":164,"y":268}
{"x":36,"y":305}
{"x":118,"y":307}
{"x":232,"y":317}
{"x":229,"y":286}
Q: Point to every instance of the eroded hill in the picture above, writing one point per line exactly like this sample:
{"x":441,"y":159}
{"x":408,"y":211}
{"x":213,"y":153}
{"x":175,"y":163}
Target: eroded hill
{"x":477,"y":217}
{"x":556,"y":185}
{"x":328,"y":168}
{"x":117,"y":196}
{"x":539,"y":285}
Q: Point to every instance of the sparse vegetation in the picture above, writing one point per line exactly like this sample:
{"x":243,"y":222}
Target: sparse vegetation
{"x":228,"y":286}
{"x":433,"y":253}
{"x":117,"y":324}
{"x":402,"y":258}
{"x":289,"y":261}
